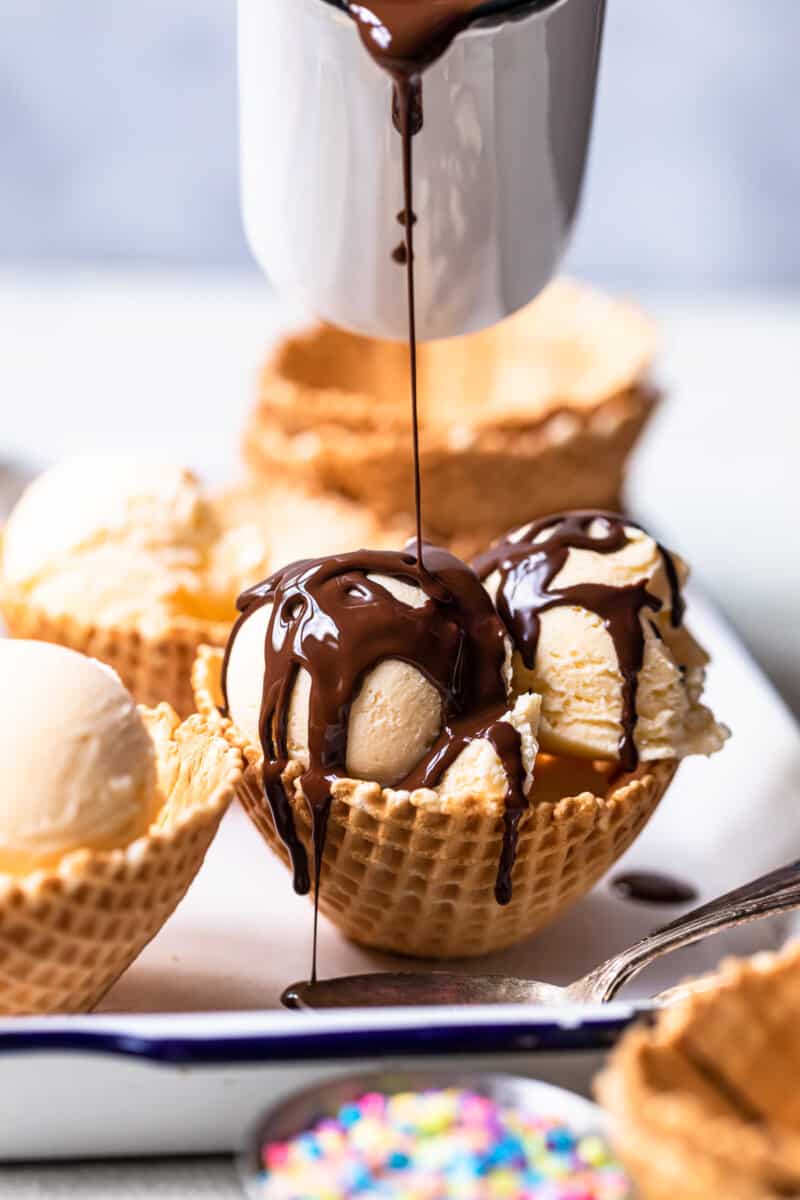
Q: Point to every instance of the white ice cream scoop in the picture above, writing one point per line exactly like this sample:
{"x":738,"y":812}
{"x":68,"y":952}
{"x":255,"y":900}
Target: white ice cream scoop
{"x":395,"y":717}
{"x":77,"y":766}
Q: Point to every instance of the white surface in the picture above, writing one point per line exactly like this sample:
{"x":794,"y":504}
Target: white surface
{"x":129,"y":1108}
{"x":168,"y":1179}
{"x":717,"y":473}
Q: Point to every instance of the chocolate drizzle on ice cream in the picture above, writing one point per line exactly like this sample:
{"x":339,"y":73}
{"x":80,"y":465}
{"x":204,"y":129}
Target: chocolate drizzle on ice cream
{"x":335,"y":619}
{"x":528,"y":563}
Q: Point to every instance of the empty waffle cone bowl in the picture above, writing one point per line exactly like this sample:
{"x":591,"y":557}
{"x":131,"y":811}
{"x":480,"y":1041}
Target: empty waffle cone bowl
{"x":154,"y":667}
{"x":535,"y":415}
{"x":67,"y":933}
{"x":412,"y":874}
{"x":706,"y":1102}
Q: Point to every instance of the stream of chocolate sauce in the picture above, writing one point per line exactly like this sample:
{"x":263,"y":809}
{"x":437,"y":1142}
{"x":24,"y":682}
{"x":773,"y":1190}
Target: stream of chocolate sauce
{"x":334,"y":619}
{"x":528,"y":568}
{"x":404,"y":37}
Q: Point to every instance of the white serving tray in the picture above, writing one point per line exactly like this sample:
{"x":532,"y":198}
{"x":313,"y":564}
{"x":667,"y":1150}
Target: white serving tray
{"x":191,"y":1043}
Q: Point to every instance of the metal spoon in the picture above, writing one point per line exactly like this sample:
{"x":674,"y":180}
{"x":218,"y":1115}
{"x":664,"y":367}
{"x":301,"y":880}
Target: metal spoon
{"x":776,"y":892}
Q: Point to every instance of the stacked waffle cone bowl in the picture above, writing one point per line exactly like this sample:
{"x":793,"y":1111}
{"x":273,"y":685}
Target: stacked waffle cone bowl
{"x":535,"y":415}
{"x":705,"y":1102}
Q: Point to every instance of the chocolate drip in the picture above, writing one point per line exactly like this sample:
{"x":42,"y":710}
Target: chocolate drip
{"x":400,"y":254}
{"x":404,"y":37}
{"x":332,"y":618}
{"x":528,"y":568}
{"x":677,"y":604}
{"x":416,"y":118}
{"x":406,"y":86}
{"x":652,"y":887}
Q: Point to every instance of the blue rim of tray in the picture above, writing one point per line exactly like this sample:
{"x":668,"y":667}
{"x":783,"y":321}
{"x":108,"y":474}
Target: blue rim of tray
{"x":290,"y":1041}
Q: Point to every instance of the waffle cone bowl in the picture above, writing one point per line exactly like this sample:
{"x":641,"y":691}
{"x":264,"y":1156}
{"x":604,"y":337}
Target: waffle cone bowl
{"x":706,"y":1103}
{"x":411,"y":874}
{"x":154,"y":667}
{"x":534,"y":415}
{"x":68,"y":933}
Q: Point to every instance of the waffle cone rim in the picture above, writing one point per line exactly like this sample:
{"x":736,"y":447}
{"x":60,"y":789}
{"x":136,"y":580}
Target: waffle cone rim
{"x":80,"y":863}
{"x":177,"y":628}
{"x":556,"y":429}
{"x":650,"y":1119}
{"x":139,"y":657}
{"x":565,"y":293}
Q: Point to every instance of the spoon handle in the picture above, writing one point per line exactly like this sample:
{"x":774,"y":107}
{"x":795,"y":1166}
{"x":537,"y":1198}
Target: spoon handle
{"x":776,"y":892}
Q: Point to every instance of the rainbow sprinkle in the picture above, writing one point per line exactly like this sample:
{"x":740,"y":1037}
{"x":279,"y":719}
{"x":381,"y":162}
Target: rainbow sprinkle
{"x":446,"y":1144}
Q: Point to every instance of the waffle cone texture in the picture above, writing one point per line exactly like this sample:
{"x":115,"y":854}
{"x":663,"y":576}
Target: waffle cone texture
{"x":68,"y":933}
{"x":412,"y":874}
{"x":153,"y":667}
{"x":706,"y":1103}
{"x":535,"y":415}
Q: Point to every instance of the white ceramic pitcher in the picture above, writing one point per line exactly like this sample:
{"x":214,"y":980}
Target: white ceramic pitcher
{"x":498,"y":163}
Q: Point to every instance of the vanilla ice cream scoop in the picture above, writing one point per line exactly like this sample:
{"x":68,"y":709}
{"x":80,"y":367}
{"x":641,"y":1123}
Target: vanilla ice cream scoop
{"x":595,"y":612}
{"x":368,"y":666}
{"x":77,"y":767}
{"x":114,"y":540}
{"x":394,"y":719}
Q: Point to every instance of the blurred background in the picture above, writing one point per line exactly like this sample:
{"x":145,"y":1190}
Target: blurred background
{"x":119,"y":141}
{"x":129,"y":304}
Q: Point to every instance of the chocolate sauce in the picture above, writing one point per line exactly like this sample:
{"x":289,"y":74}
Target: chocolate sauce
{"x":405,"y":86}
{"x":332,"y":618}
{"x":404,"y":37}
{"x":528,"y":567}
{"x":651,"y":887}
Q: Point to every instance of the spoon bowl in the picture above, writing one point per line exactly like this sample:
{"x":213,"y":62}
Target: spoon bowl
{"x":776,"y":892}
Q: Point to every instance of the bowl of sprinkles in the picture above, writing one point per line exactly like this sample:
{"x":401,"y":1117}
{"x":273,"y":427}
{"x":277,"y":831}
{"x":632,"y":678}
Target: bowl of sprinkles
{"x":418,"y":1137}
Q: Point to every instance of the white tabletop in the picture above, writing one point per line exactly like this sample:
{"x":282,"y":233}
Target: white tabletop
{"x":167,"y":1179}
{"x":166,"y":363}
